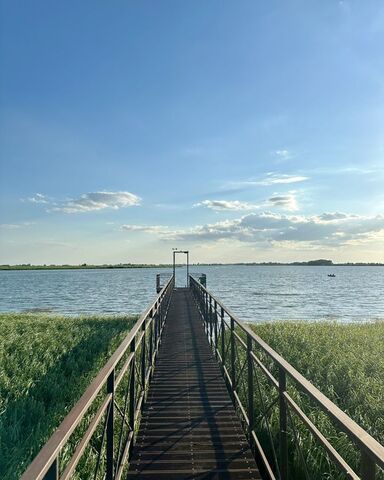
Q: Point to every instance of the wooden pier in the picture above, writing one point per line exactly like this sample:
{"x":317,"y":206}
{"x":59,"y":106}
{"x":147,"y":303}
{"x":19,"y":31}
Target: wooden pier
{"x":192,"y":393}
{"x":189,"y":428}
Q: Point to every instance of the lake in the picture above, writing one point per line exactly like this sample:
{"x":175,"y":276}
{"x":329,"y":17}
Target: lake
{"x":254,"y":293}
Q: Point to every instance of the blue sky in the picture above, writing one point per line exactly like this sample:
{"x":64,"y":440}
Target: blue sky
{"x":244,"y":131}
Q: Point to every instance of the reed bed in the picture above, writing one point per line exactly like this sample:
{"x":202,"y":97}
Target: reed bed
{"x":346,"y":363}
{"x":46,"y":362}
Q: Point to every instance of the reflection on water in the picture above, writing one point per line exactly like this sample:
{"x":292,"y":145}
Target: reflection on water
{"x":253,"y":293}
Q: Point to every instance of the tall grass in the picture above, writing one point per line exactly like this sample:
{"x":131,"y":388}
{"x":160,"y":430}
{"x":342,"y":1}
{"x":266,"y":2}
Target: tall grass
{"x":346,"y":363}
{"x":46,"y":362}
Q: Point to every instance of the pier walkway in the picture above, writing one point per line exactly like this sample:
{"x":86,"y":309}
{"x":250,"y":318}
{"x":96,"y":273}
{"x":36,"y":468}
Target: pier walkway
{"x":189,"y":428}
{"x":192,"y":393}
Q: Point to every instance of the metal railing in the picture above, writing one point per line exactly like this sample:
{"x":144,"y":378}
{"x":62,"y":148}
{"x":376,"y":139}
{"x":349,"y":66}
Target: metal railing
{"x":280,"y":432}
{"x":99,"y":432}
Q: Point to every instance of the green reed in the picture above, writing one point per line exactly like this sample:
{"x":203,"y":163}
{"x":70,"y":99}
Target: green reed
{"x":46,"y":362}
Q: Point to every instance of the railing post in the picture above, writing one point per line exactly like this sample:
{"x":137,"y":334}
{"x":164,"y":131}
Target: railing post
{"x":233,"y":359}
{"x":222,"y":335}
{"x":53,"y":472}
{"x":215,"y":320}
{"x":156,"y":328}
{"x":283,"y":438}
{"x":132,"y":391}
{"x":210,"y":321}
{"x":143,"y":351}
{"x":151,"y":349}
{"x":250,"y":390}
{"x":110,"y":427}
{"x":367,"y":466}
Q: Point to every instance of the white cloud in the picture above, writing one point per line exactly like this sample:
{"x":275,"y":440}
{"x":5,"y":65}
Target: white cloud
{"x":282,"y":154}
{"x":220,"y":205}
{"x":275,"y":178}
{"x":37,"y":198}
{"x":332,"y":229}
{"x":158,"y":229}
{"x":286,"y":202}
{"x":271,"y":178}
{"x":94,"y":201}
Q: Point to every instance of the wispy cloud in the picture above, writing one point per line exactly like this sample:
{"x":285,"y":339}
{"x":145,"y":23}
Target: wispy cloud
{"x":223,"y":205}
{"x":37,"y":198}
{"x":94,"y":201}
{"x":282,"y":155}
{"x":15,"y":226}
{"x":158,"y":229}
{"x":276,"y":178}
{"x":286,"y":202}
{"x":270,"y":179}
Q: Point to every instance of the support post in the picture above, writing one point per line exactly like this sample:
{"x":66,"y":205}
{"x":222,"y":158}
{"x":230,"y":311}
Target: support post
{"x":215,"y":328}
{"x":233,"y":359}
{"x":222,"y":336}
{"x":187,"y":268}
{"x":367,"y":466}
{"x":143,"y":352}
{"x":210,"y":321}
{"x":132,"y":400}
{"x":110,"y":428}
{"x":283,"y":438}
{"x":151,"y":349}
{"x":250,"y":390}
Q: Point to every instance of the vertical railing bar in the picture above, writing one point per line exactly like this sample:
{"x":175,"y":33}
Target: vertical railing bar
{"x":210,"y":321}
{"x":296,"y":437}
{"x":250,"y":391}
{"x":264,"y":412}
{"x":123,"y":420}
{"x":233,"y":364}
{"x":132,"y":391}
{"x":110,"y":428}
{"x":222,"y":336}
{"x":143,"y":353}
{"x":215,"y":327}
{"x":102,"y":441}
{"x":283,"y":434}
{"x":367,"y":466}
{"x":151,"y":340}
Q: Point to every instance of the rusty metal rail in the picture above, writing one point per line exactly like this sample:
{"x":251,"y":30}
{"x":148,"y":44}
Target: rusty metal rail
{"x":248,"y":364}
{"x":106,"y":416}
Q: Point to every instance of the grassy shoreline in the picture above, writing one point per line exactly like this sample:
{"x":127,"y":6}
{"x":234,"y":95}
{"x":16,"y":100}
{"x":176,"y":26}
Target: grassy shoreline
{"x":46,"y":362}
{"x":346,"y":363}
{"x":41,"y":355}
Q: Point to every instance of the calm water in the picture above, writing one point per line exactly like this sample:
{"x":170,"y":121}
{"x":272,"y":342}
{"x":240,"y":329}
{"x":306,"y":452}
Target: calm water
{"x":253,"y":293}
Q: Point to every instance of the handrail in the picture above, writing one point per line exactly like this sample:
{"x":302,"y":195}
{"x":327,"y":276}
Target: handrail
{"x":141,"y":345}
{"x":214,"y":312}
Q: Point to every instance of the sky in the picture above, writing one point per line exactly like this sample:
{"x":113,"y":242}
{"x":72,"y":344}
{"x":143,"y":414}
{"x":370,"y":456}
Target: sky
{"x":246,"y":131}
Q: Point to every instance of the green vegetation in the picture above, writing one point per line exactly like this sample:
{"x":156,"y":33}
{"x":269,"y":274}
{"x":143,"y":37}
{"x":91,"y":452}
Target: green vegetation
{"x":346,"y":363}
{"x":86,"y":266}
{"x":83,"y":266}
{"x":46,"y":362}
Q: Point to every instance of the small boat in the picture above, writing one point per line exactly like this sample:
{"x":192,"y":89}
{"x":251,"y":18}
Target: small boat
{"x":331,"y":275}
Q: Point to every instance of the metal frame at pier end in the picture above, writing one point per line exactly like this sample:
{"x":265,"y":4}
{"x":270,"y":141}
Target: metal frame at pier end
{"x":105,"y":419}
{"x":174,"y":263}
{"x":250,"y":366}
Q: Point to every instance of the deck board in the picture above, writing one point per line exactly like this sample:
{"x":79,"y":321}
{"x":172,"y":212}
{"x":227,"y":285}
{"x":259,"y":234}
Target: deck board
{"x":189,"y":428}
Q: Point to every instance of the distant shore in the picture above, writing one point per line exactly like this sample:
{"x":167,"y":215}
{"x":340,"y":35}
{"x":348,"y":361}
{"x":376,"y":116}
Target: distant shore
{"x":85,"y":266}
